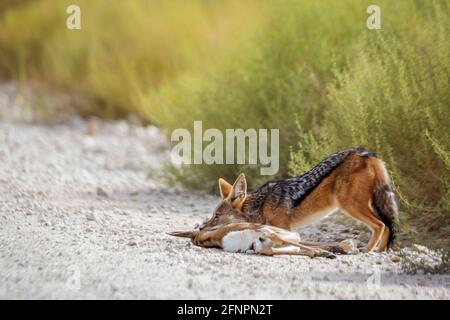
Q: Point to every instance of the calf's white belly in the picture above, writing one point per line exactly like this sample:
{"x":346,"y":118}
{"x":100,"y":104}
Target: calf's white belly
{"x":239,"y":241}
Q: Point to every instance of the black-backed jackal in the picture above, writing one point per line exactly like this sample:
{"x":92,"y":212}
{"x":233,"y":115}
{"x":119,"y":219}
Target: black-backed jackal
{"x":353,"y":180}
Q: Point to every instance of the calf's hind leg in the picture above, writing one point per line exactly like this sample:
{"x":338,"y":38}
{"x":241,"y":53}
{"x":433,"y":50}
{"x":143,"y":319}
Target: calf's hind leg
{"x":294,"y":250}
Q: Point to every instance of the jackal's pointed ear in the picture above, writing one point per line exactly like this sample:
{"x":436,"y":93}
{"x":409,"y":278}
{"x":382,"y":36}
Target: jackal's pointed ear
{"x":239,"y":187}
{"x":225,"y":188}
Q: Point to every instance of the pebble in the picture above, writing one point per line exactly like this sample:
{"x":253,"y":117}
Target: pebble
{"x":90,"y":216}
{"x":101,"y":193}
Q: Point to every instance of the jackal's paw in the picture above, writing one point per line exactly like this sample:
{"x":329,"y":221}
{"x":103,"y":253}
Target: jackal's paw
{"x":365,"y":250}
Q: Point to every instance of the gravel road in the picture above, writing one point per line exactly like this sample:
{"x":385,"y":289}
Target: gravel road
{"x":81,"y":218}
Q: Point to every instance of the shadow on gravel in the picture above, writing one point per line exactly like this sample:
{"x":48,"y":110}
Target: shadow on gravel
{"x":372,"y":278}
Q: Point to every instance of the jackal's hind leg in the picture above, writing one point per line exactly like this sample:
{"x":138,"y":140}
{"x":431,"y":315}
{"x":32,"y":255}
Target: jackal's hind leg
{"x":384,"y":240}
{"x":366,"y":216}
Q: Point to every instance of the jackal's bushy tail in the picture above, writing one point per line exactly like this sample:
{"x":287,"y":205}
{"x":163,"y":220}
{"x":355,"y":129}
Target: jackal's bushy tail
{"x":384,"y":202}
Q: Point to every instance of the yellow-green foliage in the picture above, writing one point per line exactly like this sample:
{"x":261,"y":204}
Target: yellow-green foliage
{"x":393,"y":98}
{"x":277,"y":78}
{"x":123,"y":47}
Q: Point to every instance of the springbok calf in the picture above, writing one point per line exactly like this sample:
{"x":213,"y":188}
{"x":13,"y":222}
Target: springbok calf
{"x":262,"y":239}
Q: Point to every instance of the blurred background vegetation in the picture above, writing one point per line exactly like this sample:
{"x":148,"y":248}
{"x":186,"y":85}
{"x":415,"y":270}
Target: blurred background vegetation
{"x":310,"y":68}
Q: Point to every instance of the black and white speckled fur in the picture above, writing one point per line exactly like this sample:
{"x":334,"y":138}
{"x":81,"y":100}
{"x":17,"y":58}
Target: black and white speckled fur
{"x":292,"y":191}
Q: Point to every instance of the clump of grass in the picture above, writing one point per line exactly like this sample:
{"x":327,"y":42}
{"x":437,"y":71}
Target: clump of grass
{"x":432,"y":263}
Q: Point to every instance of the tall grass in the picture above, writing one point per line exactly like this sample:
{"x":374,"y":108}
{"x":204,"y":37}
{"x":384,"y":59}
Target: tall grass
{"x":394,"y":98}
{"x":281,"y":75}
{"x":123,"y":47}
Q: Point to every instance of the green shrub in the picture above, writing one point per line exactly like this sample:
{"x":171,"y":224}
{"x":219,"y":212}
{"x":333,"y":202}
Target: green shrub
{"x":394,"y":99}
{"x":123,"y":47}
{"x":278,"y":77}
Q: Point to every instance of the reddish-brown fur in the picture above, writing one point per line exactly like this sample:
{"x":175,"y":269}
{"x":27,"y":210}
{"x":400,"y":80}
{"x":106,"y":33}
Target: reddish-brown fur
{"x":350,"y":188}
{"x":277,"y":241}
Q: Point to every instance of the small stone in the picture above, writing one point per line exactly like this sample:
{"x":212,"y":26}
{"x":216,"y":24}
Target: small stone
{"x":91,"y":216}
{"x":101,"y":192}
{"x":348,"y":246}
{"x":422,"y":283}
{"x":132,"y":243}
{"x":420,"y":248}
{"x":395,"y":258}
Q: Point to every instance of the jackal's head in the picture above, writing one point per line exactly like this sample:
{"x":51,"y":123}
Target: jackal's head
{"x":230,"y":207}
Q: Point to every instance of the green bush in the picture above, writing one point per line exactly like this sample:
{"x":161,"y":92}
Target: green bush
{"x":123,"y":47}
{"x":278,"y":77}
{"x":393,"y":98}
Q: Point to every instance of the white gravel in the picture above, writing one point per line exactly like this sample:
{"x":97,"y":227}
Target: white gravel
{"x":80,"y":217}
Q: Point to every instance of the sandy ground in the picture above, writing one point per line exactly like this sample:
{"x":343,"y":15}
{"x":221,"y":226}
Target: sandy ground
{"x":80,"y":217}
